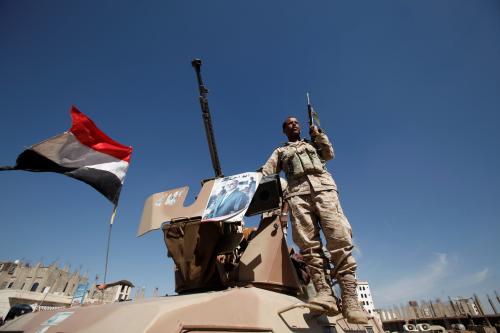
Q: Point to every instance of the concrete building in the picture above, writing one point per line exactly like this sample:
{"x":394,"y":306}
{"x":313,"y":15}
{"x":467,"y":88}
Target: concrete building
{"x":115,"y":292}
{"x":466,"y":306}
{"x":39,"y":278}
{"x":457,"y":307}
{"x":49,"y":285}
{"x":365,"y":296}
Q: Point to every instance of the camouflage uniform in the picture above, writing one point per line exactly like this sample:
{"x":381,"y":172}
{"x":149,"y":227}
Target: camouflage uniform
{"x":314,"y":205}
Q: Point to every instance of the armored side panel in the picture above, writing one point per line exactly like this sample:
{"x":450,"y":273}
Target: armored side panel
{"x":267,"y":197}
{"x":169,"y":206}
{"x":266,"y":261}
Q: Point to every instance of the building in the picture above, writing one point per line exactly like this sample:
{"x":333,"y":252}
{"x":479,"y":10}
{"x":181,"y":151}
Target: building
{"x":51,"y":287}
{"x":115,"y":292}
{"x":39,"y":278}
{"x":465,"y":306}
{"x":365,"y":296}
{"x":457,"y":307}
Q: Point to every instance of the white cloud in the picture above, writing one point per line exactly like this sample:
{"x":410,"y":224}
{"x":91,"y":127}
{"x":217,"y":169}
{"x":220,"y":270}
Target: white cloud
{"x":470,"y":279}
{"x":420,"y":282}
{"x":480,"y":276}
{"x":428,"y":282}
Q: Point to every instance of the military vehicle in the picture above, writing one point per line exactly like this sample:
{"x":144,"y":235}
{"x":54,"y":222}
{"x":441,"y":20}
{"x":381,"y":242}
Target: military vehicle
{"x":228,"y":278}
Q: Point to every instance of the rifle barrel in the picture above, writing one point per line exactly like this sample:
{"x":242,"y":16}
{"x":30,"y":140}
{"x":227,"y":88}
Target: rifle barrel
{"x":309,"y":111}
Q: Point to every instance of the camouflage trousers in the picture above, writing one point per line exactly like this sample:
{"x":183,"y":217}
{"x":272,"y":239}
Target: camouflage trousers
{"x":317,"y":211}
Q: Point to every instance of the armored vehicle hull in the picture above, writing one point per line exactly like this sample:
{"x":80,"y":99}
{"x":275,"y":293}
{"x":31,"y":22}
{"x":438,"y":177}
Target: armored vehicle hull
{"x":239,"y":309}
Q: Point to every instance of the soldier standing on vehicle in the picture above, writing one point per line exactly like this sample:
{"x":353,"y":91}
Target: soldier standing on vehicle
{"x":314,"y":205}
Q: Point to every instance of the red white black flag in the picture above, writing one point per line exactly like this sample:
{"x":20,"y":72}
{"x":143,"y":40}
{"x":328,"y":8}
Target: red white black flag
{"x":84,"y":153}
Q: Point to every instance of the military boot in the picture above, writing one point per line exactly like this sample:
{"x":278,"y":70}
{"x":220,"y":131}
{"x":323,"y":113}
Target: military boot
{"x":351,"y":309}
{"x":324,"y":294}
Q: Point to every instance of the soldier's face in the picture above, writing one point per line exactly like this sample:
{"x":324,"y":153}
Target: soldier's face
{"x":292,"y":127}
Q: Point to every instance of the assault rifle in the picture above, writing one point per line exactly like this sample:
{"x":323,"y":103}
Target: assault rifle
{"x":312,"y":115}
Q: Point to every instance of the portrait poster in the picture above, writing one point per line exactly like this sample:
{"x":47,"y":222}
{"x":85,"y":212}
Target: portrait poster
{"x":230,"y":197}
{"x":79,"y":294}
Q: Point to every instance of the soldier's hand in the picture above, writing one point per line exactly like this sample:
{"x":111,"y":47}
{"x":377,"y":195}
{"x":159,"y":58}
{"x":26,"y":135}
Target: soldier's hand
{"x":313,"y":131}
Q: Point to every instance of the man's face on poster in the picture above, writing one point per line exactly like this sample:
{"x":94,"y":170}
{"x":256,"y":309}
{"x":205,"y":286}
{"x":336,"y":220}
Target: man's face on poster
{"x":232,"y":185}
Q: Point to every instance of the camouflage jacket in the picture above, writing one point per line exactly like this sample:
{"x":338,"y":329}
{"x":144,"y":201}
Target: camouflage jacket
{"x":309,"y":182}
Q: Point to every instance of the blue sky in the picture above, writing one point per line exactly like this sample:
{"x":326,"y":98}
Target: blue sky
{"x":408,"y":91}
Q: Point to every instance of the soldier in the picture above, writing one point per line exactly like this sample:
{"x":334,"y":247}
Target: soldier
{"x":314,"y":205}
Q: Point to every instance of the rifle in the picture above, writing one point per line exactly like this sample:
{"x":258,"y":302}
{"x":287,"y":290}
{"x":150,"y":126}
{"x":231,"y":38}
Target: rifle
{"x":207,"y":120}
{"x":313,"y":116}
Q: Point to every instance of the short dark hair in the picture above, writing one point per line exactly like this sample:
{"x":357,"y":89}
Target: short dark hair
{"x":286,"y":119}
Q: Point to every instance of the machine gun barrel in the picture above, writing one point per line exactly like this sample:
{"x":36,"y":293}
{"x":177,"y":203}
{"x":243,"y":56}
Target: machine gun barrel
{"x":207,"y":119}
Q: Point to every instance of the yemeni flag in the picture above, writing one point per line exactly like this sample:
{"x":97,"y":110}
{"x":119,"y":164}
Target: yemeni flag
{"x":84,"y":153}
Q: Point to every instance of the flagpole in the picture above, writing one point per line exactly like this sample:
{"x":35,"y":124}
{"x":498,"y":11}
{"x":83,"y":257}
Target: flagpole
{"x":109,"y":241}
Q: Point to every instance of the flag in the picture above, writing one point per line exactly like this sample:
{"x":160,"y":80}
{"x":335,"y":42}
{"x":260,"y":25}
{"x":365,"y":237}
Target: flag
{"x":84,"y":153}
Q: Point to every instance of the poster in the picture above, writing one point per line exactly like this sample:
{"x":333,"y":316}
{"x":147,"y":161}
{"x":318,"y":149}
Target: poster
{"x":230,"y":197}
{"x":79,"y":294}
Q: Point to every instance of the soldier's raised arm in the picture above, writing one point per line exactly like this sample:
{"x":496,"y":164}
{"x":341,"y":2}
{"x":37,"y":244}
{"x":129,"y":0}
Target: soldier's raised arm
{"x":322,"y":144}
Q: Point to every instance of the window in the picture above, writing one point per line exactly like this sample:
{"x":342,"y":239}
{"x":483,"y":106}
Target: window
{"x":10,"y":285}
{"x":34,"y":286}
{"x":65,"y":286}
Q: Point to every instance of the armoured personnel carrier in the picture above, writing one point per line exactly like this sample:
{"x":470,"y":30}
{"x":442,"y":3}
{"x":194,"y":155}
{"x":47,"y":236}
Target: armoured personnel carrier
{"x":228,"y":278}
